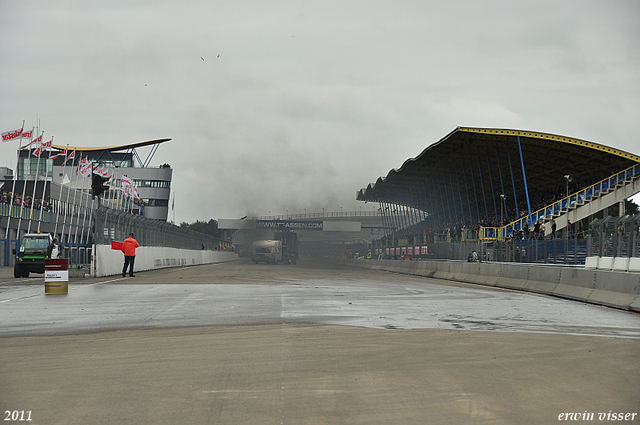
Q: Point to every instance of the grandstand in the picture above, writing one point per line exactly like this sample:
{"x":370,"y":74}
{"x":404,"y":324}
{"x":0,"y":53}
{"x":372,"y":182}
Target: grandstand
{"x":487,"y":184}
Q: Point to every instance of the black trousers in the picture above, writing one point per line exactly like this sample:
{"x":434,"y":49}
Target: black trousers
{"x":128,"y":261}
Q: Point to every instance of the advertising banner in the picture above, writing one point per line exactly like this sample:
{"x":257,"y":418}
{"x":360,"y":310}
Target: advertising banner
{"x":289,"y":224}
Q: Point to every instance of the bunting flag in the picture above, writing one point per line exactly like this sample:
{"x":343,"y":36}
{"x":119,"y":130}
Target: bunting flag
{"x":85,"y":170}
{"x":63,"y":153}
{"x":37,"y":139}
{"x":127,"y":184}
{"x":42,"y":146}
{"x":27,"y":134}
{"x":8,"y":136}
{"x":81,"y":163}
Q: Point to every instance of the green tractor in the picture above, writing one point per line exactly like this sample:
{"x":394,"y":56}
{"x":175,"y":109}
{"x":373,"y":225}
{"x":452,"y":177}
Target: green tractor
{"x":32,"y":253}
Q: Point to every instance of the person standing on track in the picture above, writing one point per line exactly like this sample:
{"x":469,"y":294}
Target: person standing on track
{"x":129,"y":249}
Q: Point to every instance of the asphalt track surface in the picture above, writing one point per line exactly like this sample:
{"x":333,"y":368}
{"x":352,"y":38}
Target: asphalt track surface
{"x":315,"y":343}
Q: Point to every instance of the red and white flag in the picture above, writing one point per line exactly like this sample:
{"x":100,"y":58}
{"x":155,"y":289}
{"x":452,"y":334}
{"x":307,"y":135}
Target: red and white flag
{"x":71,"y":157}
{"x":63,"y":153}
{"x":85,"y":170}
{"x":27,"y":134}
{"x":8,"y":136}
{"x":38,"y":151}
{"x":47,"y":144}
{"x":37,"y":139}
{"x":127,"y":184}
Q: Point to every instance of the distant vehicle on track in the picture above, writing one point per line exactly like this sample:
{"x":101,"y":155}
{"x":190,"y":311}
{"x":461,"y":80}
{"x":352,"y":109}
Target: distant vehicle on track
{"x":283,"y":248}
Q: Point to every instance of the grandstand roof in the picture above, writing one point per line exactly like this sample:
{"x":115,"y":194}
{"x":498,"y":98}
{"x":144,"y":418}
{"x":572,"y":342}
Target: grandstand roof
{"x":112,"y":148}
{"x":483,"y":162}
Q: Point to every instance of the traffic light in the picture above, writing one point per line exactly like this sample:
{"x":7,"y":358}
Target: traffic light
{"x":98,"y":184}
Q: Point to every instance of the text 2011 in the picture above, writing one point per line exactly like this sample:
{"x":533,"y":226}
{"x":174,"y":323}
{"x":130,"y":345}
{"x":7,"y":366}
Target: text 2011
{"x":17,"y":415}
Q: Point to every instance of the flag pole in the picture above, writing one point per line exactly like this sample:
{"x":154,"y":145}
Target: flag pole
{"x":44,"y":189}
{"x":64,"y":222}
{"x":13,"y":186}
{"x":75,"y":192}
{"x":35,"y":183}
{"x":24,"y":185}
{"x":64,"y":167}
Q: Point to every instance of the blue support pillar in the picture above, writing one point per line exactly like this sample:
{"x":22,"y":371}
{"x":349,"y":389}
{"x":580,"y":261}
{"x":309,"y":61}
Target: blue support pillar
{"x":466,"y":188}
{"x":513,"y":183}
{"x":504,"y":201}
{"x":460,"y":196}
{"x":493,"y":193}
{"x":524,"y":176}
{"x":484,"y":197}
{"x":442,"y":197}
{"x":453,"y":197}
{"x":433,"y":203}
{"x":473,"y":180}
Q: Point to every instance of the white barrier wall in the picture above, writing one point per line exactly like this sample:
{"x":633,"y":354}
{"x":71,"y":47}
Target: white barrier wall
{"x":603,"y":287}
{"x":109,"y":262}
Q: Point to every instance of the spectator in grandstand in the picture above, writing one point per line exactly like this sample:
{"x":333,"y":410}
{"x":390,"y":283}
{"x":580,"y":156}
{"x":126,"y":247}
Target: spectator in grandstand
{"x":553,"y":229}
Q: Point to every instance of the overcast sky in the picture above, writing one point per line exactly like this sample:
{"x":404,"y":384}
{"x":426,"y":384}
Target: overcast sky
{"x":293,"y":105}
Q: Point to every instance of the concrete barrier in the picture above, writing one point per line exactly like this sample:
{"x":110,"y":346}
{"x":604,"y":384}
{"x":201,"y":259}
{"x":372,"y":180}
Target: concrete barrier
{"x":621,"y":264}
{"x":576,"y":284}
{"x":543,"y":279}
{"x":605,"y":263}
{"x":613,"y":289}
{"x":591,"y":262}
{"x":513,"y":276}
{"x":603,"y":287}
{"x":109,"y":262}
{"x":634,"y":264}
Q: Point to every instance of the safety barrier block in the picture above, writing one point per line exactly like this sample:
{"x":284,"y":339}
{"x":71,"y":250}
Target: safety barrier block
{"x":456,"y":270}
{"x":425,"y":268}
{"x":605,"y":263}
{"x":543,"y":279}
{"x":621,"y":264}
{"x":490,"y":273}
{"x":635,"y":304}
{"x":615,"y":289}
{"x":444,"y":271}
{"x":513,"y":276}
{"x":634,"y":264}
{"x":591,"y":262}
{"x":469,"y":272}
{"x":576,"y":284}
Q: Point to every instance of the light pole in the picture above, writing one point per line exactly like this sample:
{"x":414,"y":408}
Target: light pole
{"x":568,"y":178}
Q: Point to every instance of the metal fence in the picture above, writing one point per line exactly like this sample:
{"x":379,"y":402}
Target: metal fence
{"x":113,"y":225}
{"x":550,"y":251}
{"x":614,"y":237}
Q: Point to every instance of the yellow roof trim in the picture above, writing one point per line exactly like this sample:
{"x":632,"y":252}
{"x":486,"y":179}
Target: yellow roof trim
{"x":111,"y":148}
{"x":552,"y":137}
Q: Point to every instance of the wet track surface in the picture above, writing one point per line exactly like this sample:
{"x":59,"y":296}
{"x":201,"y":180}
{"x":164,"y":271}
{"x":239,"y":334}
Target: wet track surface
{"x":241,"y":293}
{"x":315,"y":343}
